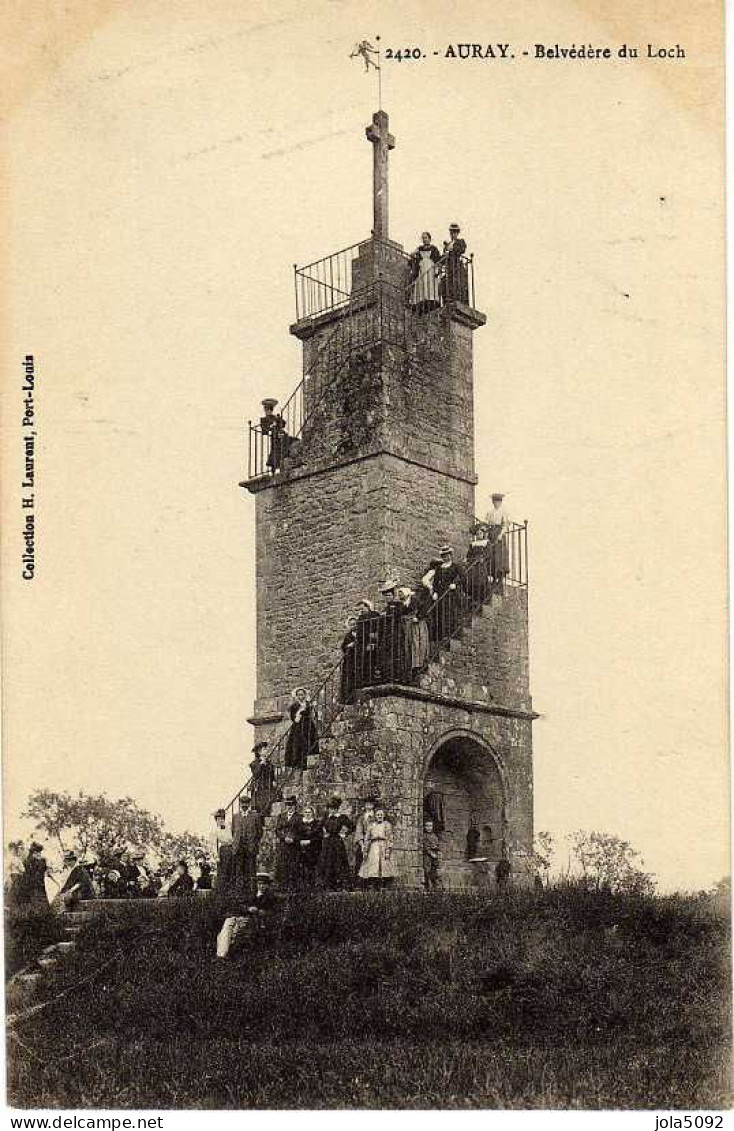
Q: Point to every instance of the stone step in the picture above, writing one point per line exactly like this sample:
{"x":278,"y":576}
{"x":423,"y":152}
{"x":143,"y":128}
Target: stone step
{"x":80,"y":917}
{"x":48,"y":962}
{"x":66,"y":946}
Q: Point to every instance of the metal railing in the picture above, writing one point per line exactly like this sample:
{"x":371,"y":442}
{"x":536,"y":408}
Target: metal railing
{"x":505,"y":554}
{"x":328,"y":284}
{"x":375,"y":315}
{"x":325,"y":707}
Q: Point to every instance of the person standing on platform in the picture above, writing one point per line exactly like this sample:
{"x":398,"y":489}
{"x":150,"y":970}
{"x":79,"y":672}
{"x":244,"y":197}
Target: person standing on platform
{"x":498,"y":547}
{"x":427,"y":598}
{"x":424,"y":294}
{"x":390,"y":653}
{"x":247,"y":831}
{"x":303,"y":739}
{"x":348,"y":682}
{"x":287,"y":849}
{"x":332,"y":871}
{"x":448,"y":584}
{"x":415,"y":638}
{"x":263,"y":778}
{"x":456,"y":275}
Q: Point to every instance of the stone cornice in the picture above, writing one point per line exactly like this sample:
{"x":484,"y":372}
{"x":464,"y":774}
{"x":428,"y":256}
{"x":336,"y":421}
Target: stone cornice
{"x":263,"y":482}
{"x":404,"y":691}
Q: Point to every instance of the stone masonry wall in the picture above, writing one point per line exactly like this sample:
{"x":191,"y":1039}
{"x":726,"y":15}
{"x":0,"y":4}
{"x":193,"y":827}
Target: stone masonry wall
{"x":387,"y":743}
{"x":323,"y":541}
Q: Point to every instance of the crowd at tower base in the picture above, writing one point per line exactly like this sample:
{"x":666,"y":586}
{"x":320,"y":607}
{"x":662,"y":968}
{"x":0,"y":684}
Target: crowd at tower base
{"x":336,"y":851}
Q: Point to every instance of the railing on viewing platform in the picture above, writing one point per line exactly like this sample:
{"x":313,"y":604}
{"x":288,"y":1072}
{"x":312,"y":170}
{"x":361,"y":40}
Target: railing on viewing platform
{"x":328,"y":284}
{"x":508,"y":554}
{"x":382,"y":319}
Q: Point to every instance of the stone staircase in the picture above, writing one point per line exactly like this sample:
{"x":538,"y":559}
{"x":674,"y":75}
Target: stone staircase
{"x":21,"y":990}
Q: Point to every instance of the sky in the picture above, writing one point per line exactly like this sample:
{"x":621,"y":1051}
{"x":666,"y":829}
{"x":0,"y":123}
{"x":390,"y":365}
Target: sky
{"x":168,"y":164}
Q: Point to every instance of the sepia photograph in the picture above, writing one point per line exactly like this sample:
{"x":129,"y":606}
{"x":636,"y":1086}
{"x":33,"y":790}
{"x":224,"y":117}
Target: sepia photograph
{"x":364,"y":557}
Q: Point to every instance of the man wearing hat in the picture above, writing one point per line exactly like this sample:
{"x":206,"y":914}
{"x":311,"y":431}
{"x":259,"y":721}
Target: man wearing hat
{"x":286,"y":852}
{"x":448,"y":585}
{"x":141,"y":882}
{"x":220,"y":840}
{"x":74,"y":884}
{"x":456,"y":278}
{"x":498,"y":549}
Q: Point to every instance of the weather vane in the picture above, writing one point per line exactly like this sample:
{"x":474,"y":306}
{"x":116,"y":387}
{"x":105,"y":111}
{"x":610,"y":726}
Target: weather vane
{"x":364,"y":50}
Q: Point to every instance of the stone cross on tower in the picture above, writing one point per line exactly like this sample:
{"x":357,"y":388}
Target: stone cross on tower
{"x":383,"y":141}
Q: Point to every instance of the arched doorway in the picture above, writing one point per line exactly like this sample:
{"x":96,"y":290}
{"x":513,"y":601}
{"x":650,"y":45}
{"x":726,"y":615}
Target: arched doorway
{"x":463,"y":788}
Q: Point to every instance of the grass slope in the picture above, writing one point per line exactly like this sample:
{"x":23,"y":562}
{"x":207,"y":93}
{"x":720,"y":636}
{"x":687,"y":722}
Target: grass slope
{"x":566,"y":999}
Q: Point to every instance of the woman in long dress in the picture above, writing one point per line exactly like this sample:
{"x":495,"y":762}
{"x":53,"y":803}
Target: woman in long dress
{"x":303,"y":740}
{"x":415,"y":634}
{"x":33,"y":883}
{"x":427,"y":598}
{"x":424,"y":293}
{"x":332,"y":870}
{"x":378,"y":868}
{"x":448,"y":584}
{"x":309,"y":834}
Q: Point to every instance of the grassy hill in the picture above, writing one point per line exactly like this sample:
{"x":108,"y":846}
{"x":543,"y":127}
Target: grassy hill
{"x":563,"y":999}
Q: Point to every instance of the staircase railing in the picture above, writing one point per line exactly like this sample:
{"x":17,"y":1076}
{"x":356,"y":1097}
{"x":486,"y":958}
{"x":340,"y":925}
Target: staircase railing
{"x":326,"y":706}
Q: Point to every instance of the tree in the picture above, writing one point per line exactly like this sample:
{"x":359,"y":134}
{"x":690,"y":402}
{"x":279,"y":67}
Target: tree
{"x":542,"y":855}
{"x":609,"y":863}
{"x":183,"y":846}
{"x":93,"y":823}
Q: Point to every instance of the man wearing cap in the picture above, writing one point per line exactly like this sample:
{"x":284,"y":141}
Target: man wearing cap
{"x":456,"y":279}
{"x":220,"y":840}
{"x":498,"y":550}
{"x":448,"y":584}
{"x":286,"y":852}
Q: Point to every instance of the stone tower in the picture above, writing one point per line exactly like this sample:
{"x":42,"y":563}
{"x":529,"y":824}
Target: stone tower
{"x":363,"y":474}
